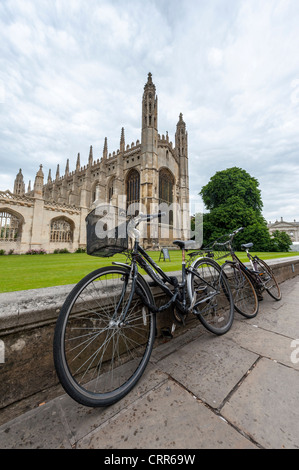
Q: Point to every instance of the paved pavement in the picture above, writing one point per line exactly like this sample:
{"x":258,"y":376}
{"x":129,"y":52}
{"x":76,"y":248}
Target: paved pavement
{"x":200,"y":391}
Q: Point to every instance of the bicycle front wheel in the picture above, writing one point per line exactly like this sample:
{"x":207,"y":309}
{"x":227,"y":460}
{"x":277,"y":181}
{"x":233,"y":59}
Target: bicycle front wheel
{"x":98,"y":357}
{"x":211,"y":296}
{"x":243,"y":292}
{"x":267,"y":278}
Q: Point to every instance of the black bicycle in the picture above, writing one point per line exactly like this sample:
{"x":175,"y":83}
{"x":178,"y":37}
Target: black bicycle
{"x":106,"y":328}
{"x":247,"y":282}
{"x":261,"y":274}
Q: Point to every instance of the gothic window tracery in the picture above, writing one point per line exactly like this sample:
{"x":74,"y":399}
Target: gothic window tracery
{"x":61,"y":231}
{"x":133,"y":189}
{"x":111,"y":189}
{"x":166,"y":184}
{"x":9,"y":227}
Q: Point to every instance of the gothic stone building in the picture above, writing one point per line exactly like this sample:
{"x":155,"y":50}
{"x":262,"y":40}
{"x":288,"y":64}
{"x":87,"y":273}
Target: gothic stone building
{"x":147,"y":173}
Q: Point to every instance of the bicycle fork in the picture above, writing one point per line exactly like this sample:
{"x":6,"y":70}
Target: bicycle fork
{"x":119,"y":319}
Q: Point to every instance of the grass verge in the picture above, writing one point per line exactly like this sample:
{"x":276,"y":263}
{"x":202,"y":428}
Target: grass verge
{"x":23,"y":272}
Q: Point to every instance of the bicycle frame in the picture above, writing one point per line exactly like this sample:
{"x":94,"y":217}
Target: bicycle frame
{"x":141,"y":258}
{"x":243,"y":267}
{"x":251,"y":273}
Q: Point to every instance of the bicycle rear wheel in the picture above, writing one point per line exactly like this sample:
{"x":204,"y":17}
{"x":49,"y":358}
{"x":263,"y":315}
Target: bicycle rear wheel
{"x":244,"y":294}
{"x":267,"y":278}
{"x":210,"y":293}
{"x":97,"y":358}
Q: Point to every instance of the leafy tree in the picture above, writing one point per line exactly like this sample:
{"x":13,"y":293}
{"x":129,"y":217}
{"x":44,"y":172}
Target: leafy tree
{"x":233,"y":199}
{"x":232,"y":184}
{"x":280,"y":241}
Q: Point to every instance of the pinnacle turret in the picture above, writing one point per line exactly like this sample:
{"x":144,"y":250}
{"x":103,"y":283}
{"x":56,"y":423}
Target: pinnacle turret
{"x":78,"y":165}
{"x":105,"y":149}
{"x":19,"y":185}
{"x":122,"y":140}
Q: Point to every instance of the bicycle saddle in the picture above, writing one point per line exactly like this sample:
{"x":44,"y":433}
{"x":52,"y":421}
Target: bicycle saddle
{"x":185,"y":244}
{"x":247,"y":245}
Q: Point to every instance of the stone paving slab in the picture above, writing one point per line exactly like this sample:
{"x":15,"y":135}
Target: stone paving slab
{"x":42,"y":428}
{"x":168,"y":417}
{"x":262,"y":342}
{"x":283,"y":320}
{"x":210,"y":367}
{"x":81,"y":421}
{"x":62,"y":422}
{"x":265,"y":406}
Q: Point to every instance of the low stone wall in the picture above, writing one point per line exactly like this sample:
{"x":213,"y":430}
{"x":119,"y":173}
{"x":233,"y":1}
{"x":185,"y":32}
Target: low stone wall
{"x":27,"y":322}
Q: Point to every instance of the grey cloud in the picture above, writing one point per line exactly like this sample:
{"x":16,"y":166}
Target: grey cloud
{"x":72,"y":73}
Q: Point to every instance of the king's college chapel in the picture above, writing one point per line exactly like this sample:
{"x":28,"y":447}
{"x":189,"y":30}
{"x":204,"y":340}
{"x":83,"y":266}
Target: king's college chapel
{"x":147,"y":175}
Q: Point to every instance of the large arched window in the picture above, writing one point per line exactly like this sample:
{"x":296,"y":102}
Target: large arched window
{"x":166,"y":184}
{"x":10,"y":227}
{"x":111,"y":188}
{"x":133,"y":191}
{"x":61,"y":231}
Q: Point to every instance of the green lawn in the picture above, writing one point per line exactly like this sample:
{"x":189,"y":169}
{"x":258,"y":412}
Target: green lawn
{"x":22,"y":272}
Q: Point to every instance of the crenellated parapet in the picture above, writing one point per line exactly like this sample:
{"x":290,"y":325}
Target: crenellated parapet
{"x":7,"y":197}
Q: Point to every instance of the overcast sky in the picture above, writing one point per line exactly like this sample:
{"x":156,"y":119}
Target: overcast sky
{"x":72,"y":72}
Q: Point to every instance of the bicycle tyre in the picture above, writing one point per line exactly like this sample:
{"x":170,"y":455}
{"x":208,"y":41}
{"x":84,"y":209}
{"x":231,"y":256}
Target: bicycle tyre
{"x":97,"y":361}
{"x":216,"y":313}
{"x":268,"y":279}
{"x":243,"y":291}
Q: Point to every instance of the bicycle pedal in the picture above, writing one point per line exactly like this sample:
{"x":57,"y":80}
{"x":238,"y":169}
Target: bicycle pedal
{"x":179,"y":317}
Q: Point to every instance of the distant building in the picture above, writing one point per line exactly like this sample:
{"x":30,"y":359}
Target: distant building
{"x":148,"y":173}
{"x":291,"y":228}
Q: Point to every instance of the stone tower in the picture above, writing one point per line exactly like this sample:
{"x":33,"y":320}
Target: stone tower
{"x":149,"y":145}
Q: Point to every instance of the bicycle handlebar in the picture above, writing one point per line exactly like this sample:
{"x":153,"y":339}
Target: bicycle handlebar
{"x":240,"y":229}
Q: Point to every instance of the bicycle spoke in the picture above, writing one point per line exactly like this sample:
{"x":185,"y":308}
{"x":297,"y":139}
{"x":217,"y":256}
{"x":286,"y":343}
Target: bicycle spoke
{"x":103,"y":354}
{"x":213,"y":303}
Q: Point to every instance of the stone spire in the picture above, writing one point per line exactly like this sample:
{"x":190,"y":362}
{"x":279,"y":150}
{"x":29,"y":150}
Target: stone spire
{"x":67,"y":167}
{"x":122,"y":140}
{"x":181,"y":149}
{"x":105,"y":149}
{"x":181,"y":138}
{"x":39,"y":183}
{"x":19,"y":185}
{"x":49,"y":176}
{"x":149,"y":130}
{"x":57,"y":172}
{"x":29,"y":187}
{"x":149,"y":105}
{"x":78,"y":165}
{"x":90,"y":158}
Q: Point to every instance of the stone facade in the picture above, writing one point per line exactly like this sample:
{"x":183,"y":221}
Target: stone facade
{"x":291,"y":228}
{"x":151,"y":173}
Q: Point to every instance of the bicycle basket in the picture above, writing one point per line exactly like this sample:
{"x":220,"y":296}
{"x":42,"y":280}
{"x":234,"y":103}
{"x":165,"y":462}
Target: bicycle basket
{"x":106,"y":231}
{"x":219,"y":249}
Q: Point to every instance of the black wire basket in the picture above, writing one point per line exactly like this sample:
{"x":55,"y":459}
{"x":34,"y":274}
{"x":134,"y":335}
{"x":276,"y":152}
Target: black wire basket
{"x":106,"y":231}
{"x":219,"y":249}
